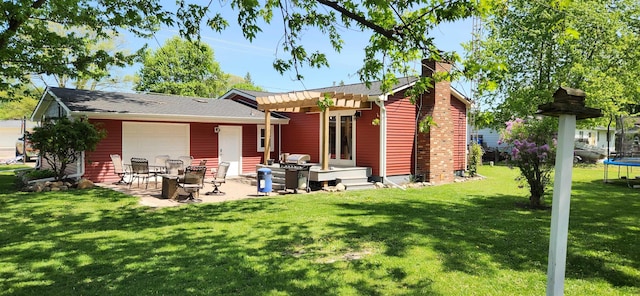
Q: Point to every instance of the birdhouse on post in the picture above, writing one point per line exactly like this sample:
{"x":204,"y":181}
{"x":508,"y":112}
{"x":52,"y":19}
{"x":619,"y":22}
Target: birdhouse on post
{"x":568,"y":104}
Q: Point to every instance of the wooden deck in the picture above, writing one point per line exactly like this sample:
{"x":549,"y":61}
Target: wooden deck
{"x":352,"y":177}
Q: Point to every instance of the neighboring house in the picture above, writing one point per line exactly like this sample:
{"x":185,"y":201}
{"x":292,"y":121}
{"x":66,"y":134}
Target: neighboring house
{"x":487,"y":137}
{"x":375,"y":130}
{"x":597,"y":137}
{"x":146,"y":125}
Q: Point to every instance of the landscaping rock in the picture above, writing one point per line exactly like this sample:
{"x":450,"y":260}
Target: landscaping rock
{"x":340,"y":187}
{"x":85,"y":184}
{"x":379,"y":185}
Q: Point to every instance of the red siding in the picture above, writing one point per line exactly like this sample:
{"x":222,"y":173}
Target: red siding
{"x":459,"y":116}
{"x":302,"y":135}
{"x":204,"y":143}
{"x":250,"y":155}
{"x":98,"y":167}
{"x":368,"y":141}
{"x":400,"y":135}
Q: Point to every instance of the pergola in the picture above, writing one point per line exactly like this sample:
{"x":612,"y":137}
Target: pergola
{"x":309,"y":101}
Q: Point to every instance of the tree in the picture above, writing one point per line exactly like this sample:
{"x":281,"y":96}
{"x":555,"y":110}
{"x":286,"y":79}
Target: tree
{"x":245,"y":83}
{"x":23,"y":103}
{"x":533,"y":47}
{"x":60,"y":142}
{"x":399,"y":31}
{"x":532,"y":151}
{"x":94,"y":77}
{"x":28,"y":45}
{"x":182,"y":67}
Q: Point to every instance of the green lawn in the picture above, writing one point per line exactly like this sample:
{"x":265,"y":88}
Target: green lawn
{"x":459,"y":239}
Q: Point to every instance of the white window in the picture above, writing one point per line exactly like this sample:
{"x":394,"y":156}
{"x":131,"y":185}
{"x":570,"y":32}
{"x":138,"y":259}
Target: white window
{"x":261,"y":138}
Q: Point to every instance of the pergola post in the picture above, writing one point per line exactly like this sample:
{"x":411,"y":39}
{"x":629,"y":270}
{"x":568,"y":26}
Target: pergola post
{"x":325,"y":139}
{"x":267,"y":136}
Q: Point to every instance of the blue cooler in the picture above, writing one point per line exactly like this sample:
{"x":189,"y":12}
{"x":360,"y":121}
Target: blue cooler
{"x":264,"y":180}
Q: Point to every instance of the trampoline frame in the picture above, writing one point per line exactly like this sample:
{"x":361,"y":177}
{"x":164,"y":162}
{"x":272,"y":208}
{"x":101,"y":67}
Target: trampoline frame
{"x":628,"y":162}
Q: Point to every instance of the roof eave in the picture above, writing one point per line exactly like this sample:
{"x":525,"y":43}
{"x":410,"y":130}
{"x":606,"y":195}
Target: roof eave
{"x":460,"y":97}
{"x":177,"y":118}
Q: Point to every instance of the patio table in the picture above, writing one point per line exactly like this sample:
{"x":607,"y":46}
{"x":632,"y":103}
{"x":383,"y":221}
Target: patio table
{"x":170,"y":186}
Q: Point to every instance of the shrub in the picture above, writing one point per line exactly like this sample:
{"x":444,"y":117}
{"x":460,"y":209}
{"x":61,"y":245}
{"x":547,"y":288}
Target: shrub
{"x":60,"y":142}
{"x":532,"y":146}
{"x":475,"y":158}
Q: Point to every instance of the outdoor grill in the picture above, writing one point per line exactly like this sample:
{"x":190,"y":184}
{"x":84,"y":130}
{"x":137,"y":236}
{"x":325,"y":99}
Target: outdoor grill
{"x":295,"y":166}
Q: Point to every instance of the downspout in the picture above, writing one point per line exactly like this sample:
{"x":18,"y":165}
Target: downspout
{"x":383,"y":142}
{"x":279,"y":141}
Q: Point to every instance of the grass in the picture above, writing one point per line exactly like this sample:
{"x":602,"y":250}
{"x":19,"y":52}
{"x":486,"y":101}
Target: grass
{"x":458,"y":239}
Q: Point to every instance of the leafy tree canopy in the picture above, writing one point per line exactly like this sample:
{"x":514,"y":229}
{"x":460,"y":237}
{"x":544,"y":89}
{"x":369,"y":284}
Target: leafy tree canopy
{"x":243,"y":83}
{"x":399,"y":31}
{"x":533,"y":47}
{"x":21,"y":106}
{"x":182,"y":67}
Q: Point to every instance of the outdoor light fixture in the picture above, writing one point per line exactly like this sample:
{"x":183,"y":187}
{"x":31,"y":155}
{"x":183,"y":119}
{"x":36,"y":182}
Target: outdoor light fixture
{"x":216,"y":129}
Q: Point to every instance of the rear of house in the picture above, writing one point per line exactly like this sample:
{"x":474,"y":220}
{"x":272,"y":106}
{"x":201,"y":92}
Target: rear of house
{"x":146,"y":125}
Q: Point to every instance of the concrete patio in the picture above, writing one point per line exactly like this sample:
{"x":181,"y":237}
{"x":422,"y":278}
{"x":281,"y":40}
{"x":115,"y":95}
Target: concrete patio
{"x":234,"y":188}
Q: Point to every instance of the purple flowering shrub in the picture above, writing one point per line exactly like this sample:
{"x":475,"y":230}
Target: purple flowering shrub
{"x":532,"y":148}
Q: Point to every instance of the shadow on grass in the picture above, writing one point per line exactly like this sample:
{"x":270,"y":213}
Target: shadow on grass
{"x":488,"y":233}
{"x":101,"y":242}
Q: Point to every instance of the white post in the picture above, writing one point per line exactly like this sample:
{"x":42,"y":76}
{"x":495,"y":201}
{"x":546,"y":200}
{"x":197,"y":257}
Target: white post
{"x":560,"y":205}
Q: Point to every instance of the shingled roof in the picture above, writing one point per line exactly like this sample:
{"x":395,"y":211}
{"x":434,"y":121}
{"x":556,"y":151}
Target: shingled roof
{"x":356,"y":88}
{"x":112,"y":104}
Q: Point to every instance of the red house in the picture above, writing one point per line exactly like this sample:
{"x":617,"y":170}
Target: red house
{"x":146,"y":125}
{"x":366,"y":128}
{"x":365,"y":134}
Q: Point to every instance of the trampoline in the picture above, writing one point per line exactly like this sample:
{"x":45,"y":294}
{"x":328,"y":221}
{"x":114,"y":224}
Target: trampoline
{"x":628,"y":163}
{"x":627,"y":150}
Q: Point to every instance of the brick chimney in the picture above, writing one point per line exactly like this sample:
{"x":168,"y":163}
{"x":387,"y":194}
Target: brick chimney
{"x":435,"y":149}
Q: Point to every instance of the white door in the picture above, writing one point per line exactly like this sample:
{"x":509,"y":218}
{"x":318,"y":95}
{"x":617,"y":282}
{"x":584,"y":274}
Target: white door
{"x":148,"y":139}
{"x":342,"y":137}
{"x":230,"y":148}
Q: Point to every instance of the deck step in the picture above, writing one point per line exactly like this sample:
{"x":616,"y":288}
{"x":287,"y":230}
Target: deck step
{"x":360,"y":186}
{"x":352,"y":180}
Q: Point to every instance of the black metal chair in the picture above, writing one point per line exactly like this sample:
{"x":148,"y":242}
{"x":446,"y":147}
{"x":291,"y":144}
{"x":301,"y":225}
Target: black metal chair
{"x":219,"y":178}
{"x":118,"y":168}
{"x":140,"y":170}
{"x":193,"y":181}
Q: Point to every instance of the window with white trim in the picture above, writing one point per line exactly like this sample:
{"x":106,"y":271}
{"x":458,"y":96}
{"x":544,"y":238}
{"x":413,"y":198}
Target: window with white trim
{"x":261,"y":138}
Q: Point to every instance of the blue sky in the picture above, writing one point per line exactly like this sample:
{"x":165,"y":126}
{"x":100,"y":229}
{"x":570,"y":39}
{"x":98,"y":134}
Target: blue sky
{"x":238,"y":56}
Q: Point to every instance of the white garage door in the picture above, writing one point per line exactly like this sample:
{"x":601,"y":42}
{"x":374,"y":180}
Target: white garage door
{"x":143,"y":139}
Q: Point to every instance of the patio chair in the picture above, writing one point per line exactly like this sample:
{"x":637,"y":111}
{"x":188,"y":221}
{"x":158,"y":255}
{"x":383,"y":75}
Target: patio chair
{"x":219,"y":178}
{"x":161,"y":160}
{"x":174,"y":166}
{"x":118,"y":168}
{"x":186,"y":160}
{"x":159,"y":166}
{"x":140,"y":170}
{"x":193,"y":181}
